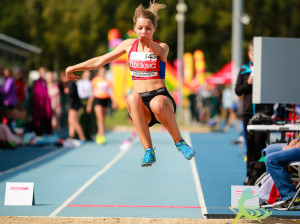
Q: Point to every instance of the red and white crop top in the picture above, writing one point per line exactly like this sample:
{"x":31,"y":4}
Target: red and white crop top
{"x":145,"y":66}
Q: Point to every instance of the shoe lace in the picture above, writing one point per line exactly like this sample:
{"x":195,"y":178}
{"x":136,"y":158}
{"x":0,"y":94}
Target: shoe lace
{"x":149,"y":152}
{"x":183,"y":147}
{"x":149,"y":149}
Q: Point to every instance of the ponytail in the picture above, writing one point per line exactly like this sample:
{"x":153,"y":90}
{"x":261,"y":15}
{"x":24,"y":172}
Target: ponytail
{"x":149,"y":13}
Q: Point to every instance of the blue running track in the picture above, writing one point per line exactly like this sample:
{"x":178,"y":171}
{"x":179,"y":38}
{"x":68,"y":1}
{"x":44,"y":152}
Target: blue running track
{"x":103,"y":181}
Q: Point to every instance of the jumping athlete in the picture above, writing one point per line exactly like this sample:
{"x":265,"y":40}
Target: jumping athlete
{"x":150,"y":101}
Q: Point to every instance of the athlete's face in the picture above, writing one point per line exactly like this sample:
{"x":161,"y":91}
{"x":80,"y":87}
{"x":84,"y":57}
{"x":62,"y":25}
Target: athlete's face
{"x":144,"y":27}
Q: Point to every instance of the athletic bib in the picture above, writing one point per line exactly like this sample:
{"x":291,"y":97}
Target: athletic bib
{"x":145,"y":66}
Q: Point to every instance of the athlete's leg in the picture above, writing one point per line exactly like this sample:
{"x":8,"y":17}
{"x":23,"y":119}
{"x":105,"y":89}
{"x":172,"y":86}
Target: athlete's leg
{"x":163,"y":109}
{"x":100,"y":112}
{"x":141,"y":117}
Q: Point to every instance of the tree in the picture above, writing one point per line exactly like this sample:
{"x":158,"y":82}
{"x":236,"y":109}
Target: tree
{"x":70,"y":31}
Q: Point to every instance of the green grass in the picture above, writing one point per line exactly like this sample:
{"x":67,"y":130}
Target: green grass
{"x":118,"y":118}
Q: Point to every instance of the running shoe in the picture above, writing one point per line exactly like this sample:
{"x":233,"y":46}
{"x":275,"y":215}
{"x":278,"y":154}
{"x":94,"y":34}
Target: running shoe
{"x":185,"y":149}
{"x":266,"y":204}
{"x":149,"y":157}
{"x":103,"y":139}
{"x":100,"y":140}
{"x":283,"y":206}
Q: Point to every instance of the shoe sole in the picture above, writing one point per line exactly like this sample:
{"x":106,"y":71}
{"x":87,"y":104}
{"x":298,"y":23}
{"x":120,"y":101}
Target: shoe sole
{"x":296,"y":208}
{"x":281,"y":209}
{"x":192,"y":156}
{"x":267,"y":206}
{"x":147,"y":164}
{"x":293,"y":208}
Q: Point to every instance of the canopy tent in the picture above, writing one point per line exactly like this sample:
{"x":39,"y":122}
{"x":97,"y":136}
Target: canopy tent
{"x":221,"y":77}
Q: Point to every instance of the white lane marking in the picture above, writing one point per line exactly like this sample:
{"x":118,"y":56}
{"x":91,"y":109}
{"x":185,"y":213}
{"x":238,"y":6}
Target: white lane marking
{"x":90,"y":181}
{"x":196,"y":178}
{"x":33,"y":161}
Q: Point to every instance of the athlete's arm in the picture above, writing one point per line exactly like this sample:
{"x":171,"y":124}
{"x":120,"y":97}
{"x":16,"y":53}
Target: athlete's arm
{"x":159,"y":49}
{"x":99,"y":61}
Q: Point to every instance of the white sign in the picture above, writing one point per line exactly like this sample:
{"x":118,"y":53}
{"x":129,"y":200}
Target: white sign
{"x":244,"y":196}
{"x":18,"y":193}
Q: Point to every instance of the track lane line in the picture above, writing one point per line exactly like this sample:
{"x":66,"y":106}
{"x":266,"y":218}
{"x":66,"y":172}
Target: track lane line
{"x":38,"y":159}
{"x":196,"y":178}
{"x":91,"y":180}
{"x":131,"y":206}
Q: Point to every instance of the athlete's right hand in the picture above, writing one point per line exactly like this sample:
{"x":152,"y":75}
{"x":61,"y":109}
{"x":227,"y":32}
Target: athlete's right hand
{"x":145,"y":40}
{"x":70,"y":75}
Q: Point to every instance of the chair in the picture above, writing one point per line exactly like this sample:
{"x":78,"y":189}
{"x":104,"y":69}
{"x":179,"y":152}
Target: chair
{"x":296,"y":166}
{"x":295,"y":176}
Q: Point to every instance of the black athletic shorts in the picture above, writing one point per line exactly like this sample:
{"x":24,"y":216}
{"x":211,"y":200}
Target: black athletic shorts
{"x":75,"y":104}
{"x":148,"y":96}
{"x":102,"y":102}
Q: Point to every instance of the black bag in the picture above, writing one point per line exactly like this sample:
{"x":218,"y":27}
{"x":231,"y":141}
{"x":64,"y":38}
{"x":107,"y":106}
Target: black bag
{"x":260,"y":118}
{"x":256,"y":169}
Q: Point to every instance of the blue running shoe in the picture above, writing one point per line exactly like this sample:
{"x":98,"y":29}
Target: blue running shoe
{"x":149,"y":157}
{"x":185,"y":149}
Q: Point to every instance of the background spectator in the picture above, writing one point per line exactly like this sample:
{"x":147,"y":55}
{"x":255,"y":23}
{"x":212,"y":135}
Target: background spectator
{"x":54,"y":94}
{"x":87,"y":120}
{"x":41,"y":105}
{"x":243,"y":87}
{"x":75,"y":105}
{"x":102,"y":96}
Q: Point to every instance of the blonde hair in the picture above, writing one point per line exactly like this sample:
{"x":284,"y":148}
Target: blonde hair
{"x":149,"y":13}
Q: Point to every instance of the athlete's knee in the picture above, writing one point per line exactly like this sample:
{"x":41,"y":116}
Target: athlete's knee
{"x":134,"y":99}
{"x":159,"y":106}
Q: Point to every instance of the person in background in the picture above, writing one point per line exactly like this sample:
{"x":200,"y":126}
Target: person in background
{"x":20,"y":88}
{"x":102,"y":95}
{"x":8,"y":90}
{"x":84,"y":86}
{"x":41,"y":105}
{"x":64,"y":99}
{"x":278,"y":156}
{"x":9,"y":96}
{"x":227,"y":103}
{"x":75,"y":104}
{"x":7,"y":138}
{"x":237,"y":109}
{"x":54,"y":94}
{"x":2,"y":81}
{"x":87,"y":120}
{"x":243,"y":87}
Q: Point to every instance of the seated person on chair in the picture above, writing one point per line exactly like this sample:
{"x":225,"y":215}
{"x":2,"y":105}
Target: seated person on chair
{"x":277,"y":158}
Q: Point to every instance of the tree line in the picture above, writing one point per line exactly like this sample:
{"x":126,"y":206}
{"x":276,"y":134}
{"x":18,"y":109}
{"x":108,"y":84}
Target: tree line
{"x":71,"y":31}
